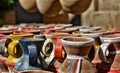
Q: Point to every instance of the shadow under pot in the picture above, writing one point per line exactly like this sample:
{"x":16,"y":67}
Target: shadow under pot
{"x":77,"y":49}
{"x":109,"y":54}
{"x":31,"y":58}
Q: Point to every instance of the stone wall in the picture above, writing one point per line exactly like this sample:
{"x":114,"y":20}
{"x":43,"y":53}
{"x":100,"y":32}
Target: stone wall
{"x":104,"y":13}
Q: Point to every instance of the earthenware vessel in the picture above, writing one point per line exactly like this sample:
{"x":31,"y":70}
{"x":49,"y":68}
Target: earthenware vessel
{"x":59,"y":52}
{"x":31,"y":48}
{"x":75,"y":6}
{"x":96,"y":45}
{"x":109,"y":54}
{"x":31,"y":30}
{"x":87,"y":29}
{"x":5,"y":32}
{"x":4,"y":41}
{"x":3,"y":67}
{"x":65,"y":31}
{"x":77,"y":49}
{"x":14,"y":49}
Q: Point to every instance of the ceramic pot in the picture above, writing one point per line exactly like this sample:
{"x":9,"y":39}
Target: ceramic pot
{"x":29,"y":6}
{"x":14,"y":49}
{"x":75,"y":6}
{"x":31,"y":30}
{"x":3,"y":67}
{"x":65,"y":31}
{"x":4,"y":41}
{"x":47,"y":49}
{"x":49,"y":8}
{"x":59,"y":52}
{"x":77,"y":49}
{"x":96,"y":45}
{"x":87,"y":29}
{"x":31,"y":48}
{"x":109,"y":54}
{"x":5,"y":32}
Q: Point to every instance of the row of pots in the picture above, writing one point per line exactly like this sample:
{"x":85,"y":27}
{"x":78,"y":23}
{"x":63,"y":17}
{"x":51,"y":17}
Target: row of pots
{"x":61,"y":50}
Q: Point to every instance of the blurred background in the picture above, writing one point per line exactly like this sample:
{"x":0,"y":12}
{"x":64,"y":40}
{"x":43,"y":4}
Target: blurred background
{"x":104,"y":13}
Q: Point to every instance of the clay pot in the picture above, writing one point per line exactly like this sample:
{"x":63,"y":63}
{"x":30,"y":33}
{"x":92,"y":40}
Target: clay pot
{"x":31,"y":30}
{"x":5,"y":32}
{"x":5,"y":40}
{"x":65,"y":31}
{"x":77,"y":49}
{"x":87,"y":29}
{"x":75,"y":6}
{"x":49,"y":8}
{"x":31,"y":48}
{"x":109,"y":54}
{"x":14,"y":49}
{"x":59,"y":52}
{"x":29,"y":6}
{"x":96,"y":46}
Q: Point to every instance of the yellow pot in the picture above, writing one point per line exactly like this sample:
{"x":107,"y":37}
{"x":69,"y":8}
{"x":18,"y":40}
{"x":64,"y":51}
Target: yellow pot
{"x":14,"y":49}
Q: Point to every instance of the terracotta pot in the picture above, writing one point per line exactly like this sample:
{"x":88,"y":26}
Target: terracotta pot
{"x":77,"y":49}
{"x":14,"y":49}
{"x":75,"y":6}
{"x":31,"y":30}
{"x":87,"y":29}
{"x":29,"y":6}
{"x":3,"y":67}
{"x":4,"y":41}
{"x":65,"y":31}
{"x":96,"y":46}
{"x":49,"y":8}
{"x":109,"y":54}
{"x":5,"y":32}
{"x":31,"y":48}
{"x":59,"y":52}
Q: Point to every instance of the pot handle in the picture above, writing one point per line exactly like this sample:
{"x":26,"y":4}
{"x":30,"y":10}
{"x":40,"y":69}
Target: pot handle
{"x":12,"y":48}
{"x":103,"y":52}
{"x":59,"y":52}
{"x":47,"y":48}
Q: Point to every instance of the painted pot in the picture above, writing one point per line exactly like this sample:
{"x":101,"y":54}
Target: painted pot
{"x":14,"y":49}
{"x":31,"y":48}
{"x":77,"y":49}
{"x":96,"y":45}
{"x":5,"y":32}
{"x":4,"y":41}
{"x":31,"y":30}
{"x":109,"y":54}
